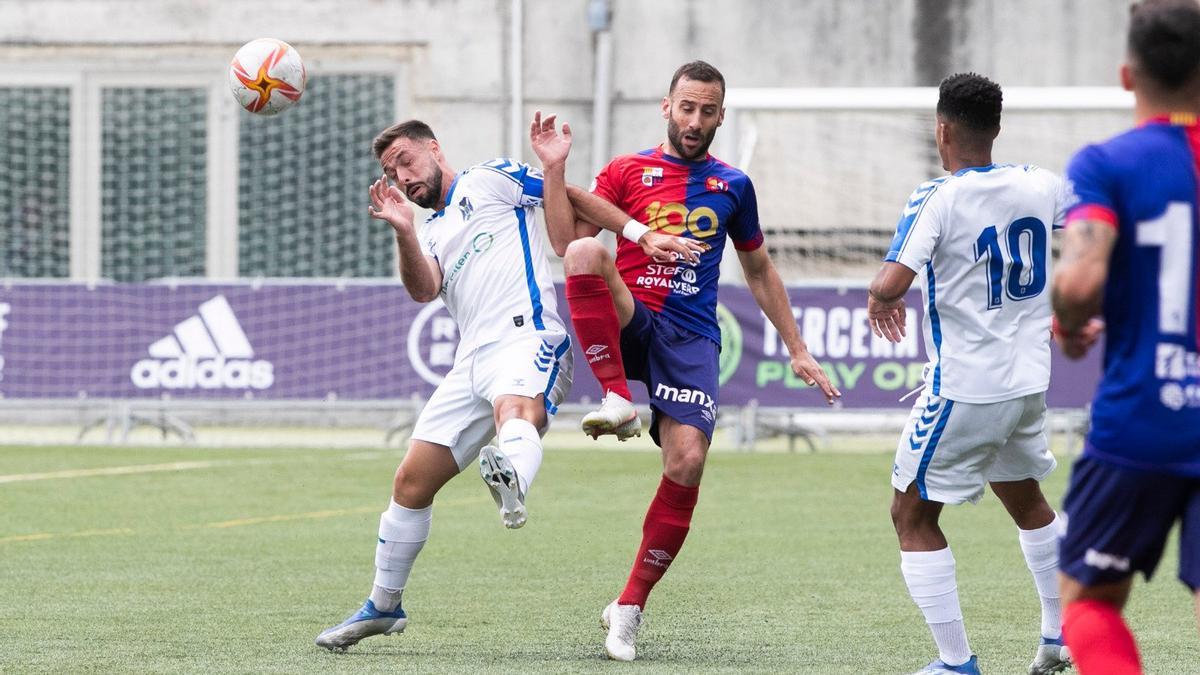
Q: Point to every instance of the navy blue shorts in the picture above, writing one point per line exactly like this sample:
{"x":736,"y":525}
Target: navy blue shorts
{"x":678,"y":367}
{"x":1118,"y":520}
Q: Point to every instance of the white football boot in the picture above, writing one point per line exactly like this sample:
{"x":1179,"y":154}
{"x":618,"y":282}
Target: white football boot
{"x":501,"y":478}
{"x":364,"y":623}
{"x":1052,"y":657}
{"x":622,"y":623}
{"x":615,"y":416}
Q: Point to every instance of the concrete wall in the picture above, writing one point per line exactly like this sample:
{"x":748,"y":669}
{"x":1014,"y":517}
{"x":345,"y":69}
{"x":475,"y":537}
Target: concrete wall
{"x":457,"y":49}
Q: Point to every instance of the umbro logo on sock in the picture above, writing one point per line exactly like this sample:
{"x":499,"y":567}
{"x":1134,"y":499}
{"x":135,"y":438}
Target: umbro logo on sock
{"x":208,"y":350}
{"x":658,"y":558}
{"x":596,"y":353}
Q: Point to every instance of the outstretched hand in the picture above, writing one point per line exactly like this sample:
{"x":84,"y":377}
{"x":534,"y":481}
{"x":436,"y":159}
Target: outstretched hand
{"x":666,"y":248}
{"x":388,"y":204}
{"x":551,"y":148}
{"x":806,"y":368}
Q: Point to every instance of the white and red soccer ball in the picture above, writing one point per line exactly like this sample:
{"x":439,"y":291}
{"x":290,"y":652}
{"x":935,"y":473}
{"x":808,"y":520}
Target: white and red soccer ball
{"x":267,"y":76}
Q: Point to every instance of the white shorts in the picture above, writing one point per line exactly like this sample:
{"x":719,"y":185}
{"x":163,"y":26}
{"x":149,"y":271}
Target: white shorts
{"x":952,"y":449}
{"x":459,"y":414}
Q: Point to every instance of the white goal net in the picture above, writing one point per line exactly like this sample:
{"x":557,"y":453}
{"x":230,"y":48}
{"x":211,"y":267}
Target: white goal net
{"x":833,"y":167}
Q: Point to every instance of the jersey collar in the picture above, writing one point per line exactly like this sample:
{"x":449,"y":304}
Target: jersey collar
{"x":1179,"y":119}
{"x":977,"y":169}
{"x":661,"y":152}
{"x":449,"y":193}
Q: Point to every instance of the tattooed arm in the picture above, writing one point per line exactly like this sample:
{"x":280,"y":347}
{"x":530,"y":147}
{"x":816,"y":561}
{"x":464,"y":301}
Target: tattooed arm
{"x":1079,"y":284}
{"x":1081,"y":272}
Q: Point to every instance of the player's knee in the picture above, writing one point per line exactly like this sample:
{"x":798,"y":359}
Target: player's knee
{"x":532,"y":410}
{"x":505,"y":411}
{"x":410,"y":490}
{"x":686,"y":467}
{"x":897,"y":515}
{"x":585,"y":256}
{"x":907,"y":519}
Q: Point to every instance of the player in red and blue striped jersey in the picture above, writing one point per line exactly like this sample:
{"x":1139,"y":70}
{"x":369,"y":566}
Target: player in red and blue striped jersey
{"x":1131,"y":257}
{"x":648,"y":317}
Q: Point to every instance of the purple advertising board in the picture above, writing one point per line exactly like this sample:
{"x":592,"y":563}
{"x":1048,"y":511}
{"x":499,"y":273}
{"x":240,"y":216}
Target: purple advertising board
{"x":372,"y":342}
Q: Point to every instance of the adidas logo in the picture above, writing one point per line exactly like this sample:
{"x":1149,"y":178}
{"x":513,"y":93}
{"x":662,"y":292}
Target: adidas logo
{"x":205,"y":351}
{"x":658,"y":558}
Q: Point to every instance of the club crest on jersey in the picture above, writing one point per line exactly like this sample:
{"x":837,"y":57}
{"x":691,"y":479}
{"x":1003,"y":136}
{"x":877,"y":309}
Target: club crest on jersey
{"x":715,"y":184}
{"x":464,"y":205}
{"x":652,"y":175}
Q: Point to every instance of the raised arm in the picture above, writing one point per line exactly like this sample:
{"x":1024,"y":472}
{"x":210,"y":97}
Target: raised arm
{"x":552,"y":149}
{"x":420,"y":273}
{"x":771,"y":296}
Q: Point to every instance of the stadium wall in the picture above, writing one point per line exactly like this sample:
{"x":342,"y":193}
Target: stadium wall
{"x":458,"y":48}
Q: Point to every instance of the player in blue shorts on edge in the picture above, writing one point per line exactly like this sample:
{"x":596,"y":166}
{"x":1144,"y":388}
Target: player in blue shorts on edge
{"x":979,"y":238}
{"x":1130,"y":256}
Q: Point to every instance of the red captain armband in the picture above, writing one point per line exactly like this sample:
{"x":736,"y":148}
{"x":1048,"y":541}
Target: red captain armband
{"x":1092,"y":212}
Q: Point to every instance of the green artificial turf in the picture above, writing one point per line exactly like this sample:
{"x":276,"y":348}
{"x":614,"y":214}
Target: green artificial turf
{"x":235,"y":564}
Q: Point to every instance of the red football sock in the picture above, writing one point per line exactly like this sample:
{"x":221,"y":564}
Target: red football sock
{"x":1100,"y":642}
{"x":599,"y":331}
{"x":666,"y":526}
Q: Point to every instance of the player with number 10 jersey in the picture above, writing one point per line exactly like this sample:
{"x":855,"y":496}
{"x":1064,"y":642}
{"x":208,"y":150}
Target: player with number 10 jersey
{"x":980,"y":240}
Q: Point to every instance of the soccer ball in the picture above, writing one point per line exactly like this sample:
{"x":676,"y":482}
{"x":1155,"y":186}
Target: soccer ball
{"x":267,"y":76}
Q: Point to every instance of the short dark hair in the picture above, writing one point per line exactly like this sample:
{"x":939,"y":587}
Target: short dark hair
{"x":971,"y":100}
{"x":700,"y":71}
{"x":1164,"y":41}
{"x":414,"y":129}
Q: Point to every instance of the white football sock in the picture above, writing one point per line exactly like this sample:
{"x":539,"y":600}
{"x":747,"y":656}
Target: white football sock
{"x":1040,"y":547}
{"x":521,"y":443}
{"x":402,"y":533}
{"x":931,"y":583}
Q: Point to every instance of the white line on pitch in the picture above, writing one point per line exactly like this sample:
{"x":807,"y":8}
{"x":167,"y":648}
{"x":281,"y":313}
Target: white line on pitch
{"x":133,"y":469}
{"x":225,"y":524}
{"x":312,"y":515}
{"x":374,"y":454}
{"x":173,"y":466}
{"x":50,"y":535}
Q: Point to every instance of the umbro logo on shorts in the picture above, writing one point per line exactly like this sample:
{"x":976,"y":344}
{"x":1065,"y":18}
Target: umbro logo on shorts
{"x":1105,"y":561}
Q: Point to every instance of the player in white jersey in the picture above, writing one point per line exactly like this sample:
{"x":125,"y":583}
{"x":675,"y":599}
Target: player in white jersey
{"x":979,"y":240}
{"x":483,"y":255}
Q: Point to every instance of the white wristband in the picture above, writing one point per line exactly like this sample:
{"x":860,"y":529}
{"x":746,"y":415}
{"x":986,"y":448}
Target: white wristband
{"x":634,"y":230}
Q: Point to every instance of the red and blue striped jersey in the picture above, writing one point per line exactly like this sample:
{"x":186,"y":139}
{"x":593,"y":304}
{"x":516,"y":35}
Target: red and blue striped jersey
{"x":1146,"y":412}
{"x":705,"y":200}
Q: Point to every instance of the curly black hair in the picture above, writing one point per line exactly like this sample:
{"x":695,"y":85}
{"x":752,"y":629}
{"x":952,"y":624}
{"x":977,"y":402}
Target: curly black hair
{"x":971,"y":100}
{"x":1164,"y":41}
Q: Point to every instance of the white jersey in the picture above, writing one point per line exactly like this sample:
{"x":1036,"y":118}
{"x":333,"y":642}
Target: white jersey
{"x":980,"y":241}
{"x":496,"y":281}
